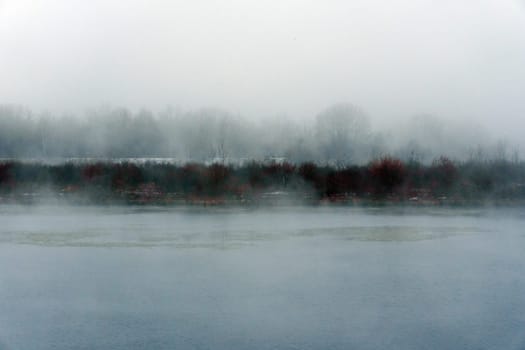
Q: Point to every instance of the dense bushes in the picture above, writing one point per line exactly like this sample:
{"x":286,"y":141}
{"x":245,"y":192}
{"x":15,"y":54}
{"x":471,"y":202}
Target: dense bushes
{"x":383,"y":178}
{"x":387,"y":174}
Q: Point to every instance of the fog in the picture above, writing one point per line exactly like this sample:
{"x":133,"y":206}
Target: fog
{"x":376,"y":278}
{"x":457,"y":60}
{"x":340,"y":134}
{"x":406,"y":231}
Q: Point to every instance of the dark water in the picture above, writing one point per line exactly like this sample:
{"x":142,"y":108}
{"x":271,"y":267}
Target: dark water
{"x":283,"y":278}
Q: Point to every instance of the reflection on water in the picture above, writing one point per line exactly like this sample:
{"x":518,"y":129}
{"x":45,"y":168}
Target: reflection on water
{"x":226,"y":239}
{"x":218,"y":227}
{"x":274,"y":278}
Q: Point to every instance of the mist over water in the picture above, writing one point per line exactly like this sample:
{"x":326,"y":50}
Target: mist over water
{"x":284,"y":174}
{"x":130,"y":277}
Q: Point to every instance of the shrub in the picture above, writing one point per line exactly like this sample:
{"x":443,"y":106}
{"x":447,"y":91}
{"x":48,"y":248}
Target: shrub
{"x":387,"y":174}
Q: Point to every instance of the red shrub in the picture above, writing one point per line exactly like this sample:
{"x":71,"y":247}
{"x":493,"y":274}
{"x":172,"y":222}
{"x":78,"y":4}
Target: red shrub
{"x":309,"y":172}
{"x":344,"y":181}
{"x":126,"y":175}
{"x":387,"y":173}
{"x":92,"y":171}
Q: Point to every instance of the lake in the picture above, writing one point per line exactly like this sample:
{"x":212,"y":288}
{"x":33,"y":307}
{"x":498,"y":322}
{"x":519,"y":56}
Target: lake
{"x":266,"y":278}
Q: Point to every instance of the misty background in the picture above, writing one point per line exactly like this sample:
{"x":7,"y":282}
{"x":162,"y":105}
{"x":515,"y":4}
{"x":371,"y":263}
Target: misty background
{"x":340,"y":134}
{"x":274,"y":79}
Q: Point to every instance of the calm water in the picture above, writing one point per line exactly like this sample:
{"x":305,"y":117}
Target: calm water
{"x":286,"y":278}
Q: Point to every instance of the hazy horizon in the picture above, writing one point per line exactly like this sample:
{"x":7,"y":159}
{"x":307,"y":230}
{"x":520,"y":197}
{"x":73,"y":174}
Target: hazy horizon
{"x":341,"y":133}
{"x":458,"y":60}
{"x":279,"y":174}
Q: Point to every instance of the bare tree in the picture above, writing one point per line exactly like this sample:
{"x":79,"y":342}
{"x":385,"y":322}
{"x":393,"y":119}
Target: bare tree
{"x":341,"y":130}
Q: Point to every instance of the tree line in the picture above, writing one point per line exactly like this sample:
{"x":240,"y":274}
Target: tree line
{"x":340,"y":135}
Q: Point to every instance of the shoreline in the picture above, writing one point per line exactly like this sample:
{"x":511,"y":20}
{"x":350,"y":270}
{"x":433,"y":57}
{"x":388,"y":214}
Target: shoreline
{"x":386,"y":181}
{"x":76,"y":199}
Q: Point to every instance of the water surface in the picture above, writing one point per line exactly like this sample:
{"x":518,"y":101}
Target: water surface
{"x":282,"y":278}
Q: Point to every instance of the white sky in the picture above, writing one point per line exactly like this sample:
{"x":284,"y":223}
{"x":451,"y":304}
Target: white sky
{"x":394,"y":58}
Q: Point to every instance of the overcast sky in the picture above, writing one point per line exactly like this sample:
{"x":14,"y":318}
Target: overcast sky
{"x":394,"y":58}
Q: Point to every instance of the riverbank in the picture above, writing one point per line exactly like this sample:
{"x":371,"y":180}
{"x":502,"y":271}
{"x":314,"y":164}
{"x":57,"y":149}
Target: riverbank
{"x":386,"y":181}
